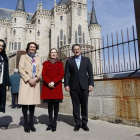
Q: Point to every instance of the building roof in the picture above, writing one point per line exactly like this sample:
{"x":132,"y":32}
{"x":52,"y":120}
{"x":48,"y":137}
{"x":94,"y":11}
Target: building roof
{"x":62,"y":2}
{"x":20,"y":5}
{"x":93,"y":19}
{"x":6,"y":13}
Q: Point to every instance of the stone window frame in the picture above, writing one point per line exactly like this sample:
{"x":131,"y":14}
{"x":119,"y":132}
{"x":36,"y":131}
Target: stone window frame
{"x":61,"y":18}
{"x":15,"y":46}
{"x":84,"y":37}
{"x":38,"y":21}
{"x":65,"y":40}
{"x":38,"y":46}
{"x":15,"y":20}
{"x":19,"y":46}
{"x":80,"y":40}
{"x":38,"y":33}
{"x":61,"y":34}
{"x":30,"y":31}
{"x":14,"y":32}
{"x":79,"y":30}
{"x":76,"y":37}
{"x":58,"y":42}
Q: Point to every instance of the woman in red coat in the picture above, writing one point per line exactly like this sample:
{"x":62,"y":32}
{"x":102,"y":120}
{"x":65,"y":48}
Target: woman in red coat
{"x":52,"y":75}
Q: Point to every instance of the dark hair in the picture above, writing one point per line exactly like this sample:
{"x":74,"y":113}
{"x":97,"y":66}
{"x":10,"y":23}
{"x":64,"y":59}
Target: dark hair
{"x":28,"y":46}
{"x":75,"y":45}
{"x":4,"y":47}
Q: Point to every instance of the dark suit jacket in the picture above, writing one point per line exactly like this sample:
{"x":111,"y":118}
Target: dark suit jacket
{"x":73,"y":76}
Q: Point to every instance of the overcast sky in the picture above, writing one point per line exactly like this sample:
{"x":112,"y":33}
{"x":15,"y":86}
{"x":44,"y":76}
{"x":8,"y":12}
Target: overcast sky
{"x":112,"y":15}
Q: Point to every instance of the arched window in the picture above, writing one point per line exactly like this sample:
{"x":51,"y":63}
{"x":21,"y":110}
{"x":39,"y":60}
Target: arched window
{"x":14,"y":32}
{"x":83,"y":37}
{"x":30,"y":31}
{"x":64,"y":39}
{"x":19,"y":46}
{"x":58,"y":42}
{"x":79,"y":30}
{"x":12,"y":46}
{"x":61,"y":43}
{"x":75,"y":36}
{"x":80,"y":40}
{"x":38,"y":33}
{"x":79,"y":11}
{"x":15,"y":20}
{"x":38,"y":21}
{"x":15,"y":47}
{"x":61,"y":34}
{"x":61,"y":18}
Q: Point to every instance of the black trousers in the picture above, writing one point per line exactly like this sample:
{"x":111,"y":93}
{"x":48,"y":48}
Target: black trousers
{"x":14,"y":99}
{"x":79,"y":99}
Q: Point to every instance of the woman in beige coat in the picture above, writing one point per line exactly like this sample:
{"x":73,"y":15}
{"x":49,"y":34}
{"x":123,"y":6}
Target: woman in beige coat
{"x":30,"y":68}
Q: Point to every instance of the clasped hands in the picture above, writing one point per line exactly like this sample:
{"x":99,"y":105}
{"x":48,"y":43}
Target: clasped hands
{"x":51,"y":84}
{"x":32,"y":82}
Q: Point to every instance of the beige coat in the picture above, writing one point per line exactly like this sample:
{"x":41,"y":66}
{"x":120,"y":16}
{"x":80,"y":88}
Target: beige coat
{"x":29,"y":95}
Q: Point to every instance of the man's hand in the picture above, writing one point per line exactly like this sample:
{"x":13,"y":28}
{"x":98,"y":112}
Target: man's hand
{"x":67,"y":88}
{"x":90,"y":88}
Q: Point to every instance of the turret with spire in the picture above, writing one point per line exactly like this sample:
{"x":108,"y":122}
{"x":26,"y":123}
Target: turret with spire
{"x":93,"y":19}
{"x":20,"y":5}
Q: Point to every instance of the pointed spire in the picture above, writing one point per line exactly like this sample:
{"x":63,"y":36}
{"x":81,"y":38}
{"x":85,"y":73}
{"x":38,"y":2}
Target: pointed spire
{"x":38,"y":6}
{"x":93,"y":19}
{"x":55,"y":3}
{"x":20,"y":5}
{"x":41,"y":5}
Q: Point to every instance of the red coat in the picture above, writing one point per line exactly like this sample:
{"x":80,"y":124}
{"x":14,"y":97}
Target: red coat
{"x":52,"y":72}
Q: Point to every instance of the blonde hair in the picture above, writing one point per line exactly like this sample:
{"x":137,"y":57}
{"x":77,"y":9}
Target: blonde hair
{"x":49,"y":55}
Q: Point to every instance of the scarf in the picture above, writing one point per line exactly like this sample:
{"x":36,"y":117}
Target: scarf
{"x":53,"y":61}
{"x":32,"y":55}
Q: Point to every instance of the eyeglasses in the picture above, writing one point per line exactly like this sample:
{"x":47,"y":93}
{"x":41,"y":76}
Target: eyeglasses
{"x":1,"y":45}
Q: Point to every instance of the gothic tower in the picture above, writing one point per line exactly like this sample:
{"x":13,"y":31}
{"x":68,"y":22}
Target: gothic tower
{"x":18,"y":30}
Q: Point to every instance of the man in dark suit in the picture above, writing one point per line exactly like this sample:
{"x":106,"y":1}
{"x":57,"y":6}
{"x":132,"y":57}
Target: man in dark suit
{"x":79,"y":82}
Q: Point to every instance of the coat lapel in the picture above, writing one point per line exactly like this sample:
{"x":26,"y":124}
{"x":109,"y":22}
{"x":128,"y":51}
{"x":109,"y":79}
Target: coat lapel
{"x":28,"y":58}
{"x":81,"y":62}
{"x":74,"y":63}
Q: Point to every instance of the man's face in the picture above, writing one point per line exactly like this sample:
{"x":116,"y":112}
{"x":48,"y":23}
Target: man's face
{"x":77,"y":51}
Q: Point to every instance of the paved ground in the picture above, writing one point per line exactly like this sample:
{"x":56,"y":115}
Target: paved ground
{"x":99,"y":130}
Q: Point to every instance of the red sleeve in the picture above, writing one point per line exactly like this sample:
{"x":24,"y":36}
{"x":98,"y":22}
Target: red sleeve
{"x":44,"y":75}
{"x":60,"y":76}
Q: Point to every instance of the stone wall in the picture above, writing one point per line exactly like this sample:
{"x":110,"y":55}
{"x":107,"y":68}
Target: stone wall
{"x":114,"y":100}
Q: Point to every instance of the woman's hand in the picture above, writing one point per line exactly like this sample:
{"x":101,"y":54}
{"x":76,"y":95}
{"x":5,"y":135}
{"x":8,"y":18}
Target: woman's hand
{"x":51,"y":84}
{"x":32,"y":82}
{"x":7,"y":88}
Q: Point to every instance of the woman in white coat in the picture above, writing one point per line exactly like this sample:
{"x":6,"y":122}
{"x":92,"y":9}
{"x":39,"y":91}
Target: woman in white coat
{"x":30,"y":68}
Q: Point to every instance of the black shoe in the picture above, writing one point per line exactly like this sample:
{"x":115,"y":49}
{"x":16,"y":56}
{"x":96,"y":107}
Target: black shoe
{"x":18,"y":106}
{"x":49,"y":128}
{"x":13,"y":107}
{"x":27,"y":130}
{"x":32,"y":128}
{"x":53,"y":128}
{"x":84,"y":127}
{"x":77,"y":127}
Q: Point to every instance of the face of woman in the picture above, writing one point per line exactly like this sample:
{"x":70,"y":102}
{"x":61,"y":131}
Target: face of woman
{"x":1,"y":46}
{"x":32,"y":48}
{"x":53,"y":54}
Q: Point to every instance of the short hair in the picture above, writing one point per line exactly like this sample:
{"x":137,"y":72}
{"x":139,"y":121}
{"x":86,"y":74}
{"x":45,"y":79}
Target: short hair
{"x":75,"y":45}
{"x":4,"y":47}
{"x":28,"y":46}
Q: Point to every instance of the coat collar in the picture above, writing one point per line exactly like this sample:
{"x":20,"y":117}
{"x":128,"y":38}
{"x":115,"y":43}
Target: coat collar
{"x":29,"y":59}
